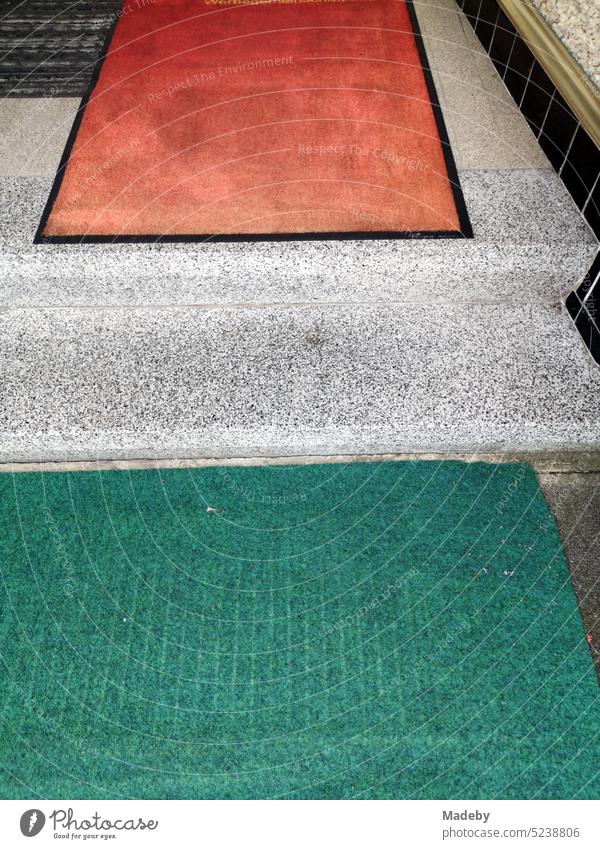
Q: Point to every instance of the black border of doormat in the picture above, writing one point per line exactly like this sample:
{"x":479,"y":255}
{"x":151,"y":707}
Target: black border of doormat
{"x":466,"y":231}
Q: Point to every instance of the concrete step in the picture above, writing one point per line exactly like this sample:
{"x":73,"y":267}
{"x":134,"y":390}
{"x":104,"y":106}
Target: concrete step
{"x":111,"y":383}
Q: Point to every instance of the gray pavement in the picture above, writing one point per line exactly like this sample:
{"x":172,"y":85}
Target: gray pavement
{"x":574,"y":499}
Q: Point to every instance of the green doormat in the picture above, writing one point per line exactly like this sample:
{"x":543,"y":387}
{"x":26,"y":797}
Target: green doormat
{"x":371,"y":630}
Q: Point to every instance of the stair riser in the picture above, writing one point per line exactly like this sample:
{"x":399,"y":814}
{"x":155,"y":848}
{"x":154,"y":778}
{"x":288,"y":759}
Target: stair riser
{"x":87,"y":384}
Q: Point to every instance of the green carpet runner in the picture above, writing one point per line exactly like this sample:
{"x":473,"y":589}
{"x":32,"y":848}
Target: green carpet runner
{"x":372,"y":630}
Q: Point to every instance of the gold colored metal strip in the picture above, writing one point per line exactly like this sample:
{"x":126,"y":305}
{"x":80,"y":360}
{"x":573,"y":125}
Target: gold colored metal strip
{"x":565,"y":72}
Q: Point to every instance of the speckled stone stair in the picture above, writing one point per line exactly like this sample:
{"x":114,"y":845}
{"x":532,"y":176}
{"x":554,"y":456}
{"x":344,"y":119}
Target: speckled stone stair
{"x":88,"y":384}
{"x":308,"y":347}
{"x":530,"y":241}
{"x":530,"y":244}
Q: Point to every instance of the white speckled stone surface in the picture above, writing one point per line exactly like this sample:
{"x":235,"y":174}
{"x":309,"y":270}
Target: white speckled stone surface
{"x":577,"y":23}
{"x":81,"y":384}
{"x":530,"y":243}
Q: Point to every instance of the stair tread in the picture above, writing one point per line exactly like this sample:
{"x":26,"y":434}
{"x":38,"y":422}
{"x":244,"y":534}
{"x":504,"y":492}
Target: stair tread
{"x":530,"y":243}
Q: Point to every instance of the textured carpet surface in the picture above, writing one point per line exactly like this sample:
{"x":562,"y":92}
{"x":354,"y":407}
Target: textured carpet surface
{"x":375,"y":630}
{"x":48,"y":48}
{"x":278,"y":118}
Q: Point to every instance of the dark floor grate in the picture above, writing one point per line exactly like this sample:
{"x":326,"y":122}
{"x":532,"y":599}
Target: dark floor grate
{"x":48,"y":47}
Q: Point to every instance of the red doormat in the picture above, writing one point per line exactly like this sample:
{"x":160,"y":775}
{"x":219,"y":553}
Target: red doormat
{"x":217,"y":120}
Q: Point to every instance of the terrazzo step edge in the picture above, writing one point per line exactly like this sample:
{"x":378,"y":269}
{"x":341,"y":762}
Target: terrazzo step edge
{"x":530,"y":244}
{"x":107,"y":384}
